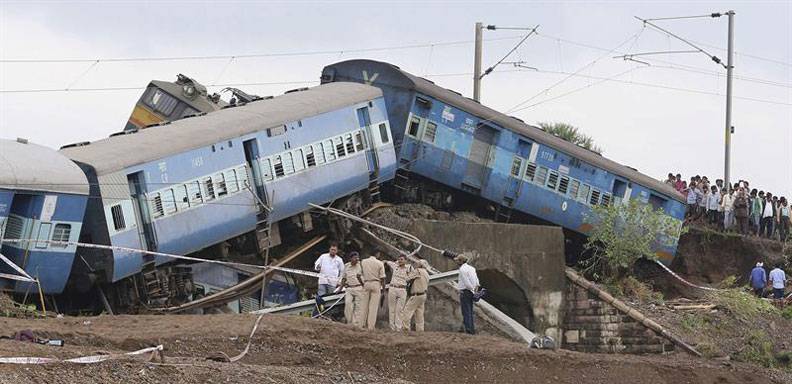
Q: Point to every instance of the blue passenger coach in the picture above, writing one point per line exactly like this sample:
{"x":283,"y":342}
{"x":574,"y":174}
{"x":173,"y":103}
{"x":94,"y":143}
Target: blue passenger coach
{"x":186,"y":185}
{"x":457,"y":142}
{"x":43,"y":196}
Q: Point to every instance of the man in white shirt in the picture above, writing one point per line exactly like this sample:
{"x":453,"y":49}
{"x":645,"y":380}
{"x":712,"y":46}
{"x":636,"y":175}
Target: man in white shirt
{"x":778,"y":279}
{"x":467,"y":285}
{"x":330,"y":266}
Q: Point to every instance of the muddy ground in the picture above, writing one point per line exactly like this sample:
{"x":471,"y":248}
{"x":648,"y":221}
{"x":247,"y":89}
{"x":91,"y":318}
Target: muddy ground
{"x":300,"y":350}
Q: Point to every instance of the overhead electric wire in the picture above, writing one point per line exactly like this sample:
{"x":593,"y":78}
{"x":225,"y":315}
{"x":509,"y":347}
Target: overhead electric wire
{"x":490,"y":69}
{"x":682,"y":39}
{"x":255,"y":55}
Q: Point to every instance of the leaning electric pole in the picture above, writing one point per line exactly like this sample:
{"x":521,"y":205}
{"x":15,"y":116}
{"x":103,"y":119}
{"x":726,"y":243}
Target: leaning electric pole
{"x":729,"y":69}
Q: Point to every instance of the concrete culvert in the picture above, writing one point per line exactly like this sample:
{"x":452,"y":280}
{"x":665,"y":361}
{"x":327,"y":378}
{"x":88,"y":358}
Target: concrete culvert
{"x":507,"y":296}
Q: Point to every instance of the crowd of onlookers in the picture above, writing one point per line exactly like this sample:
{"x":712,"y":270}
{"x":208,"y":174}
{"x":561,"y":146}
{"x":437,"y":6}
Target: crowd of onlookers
{"x":737,"y":209}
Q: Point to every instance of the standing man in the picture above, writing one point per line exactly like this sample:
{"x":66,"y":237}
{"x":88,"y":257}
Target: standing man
{"x":727,"y":202}
{"x":397,"y":290}
{"x":373,"y":272}
{"x":778,"y":279}
{"x":758,"y":279}
{"x":417,"y":301}
{"x":741,"y":211}
{"x":783,"y":219}
{"x":467,"y":285}
{"x":352,"y":281}
{"x":768,"y":216}
{"x":329,"y":265}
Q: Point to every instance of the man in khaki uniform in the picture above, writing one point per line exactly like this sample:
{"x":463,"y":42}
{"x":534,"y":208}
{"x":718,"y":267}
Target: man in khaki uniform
{"x":352,"y":281}
{"x":373,"y":272}
{"x":415,"y":304}
{"x":397,"y":291}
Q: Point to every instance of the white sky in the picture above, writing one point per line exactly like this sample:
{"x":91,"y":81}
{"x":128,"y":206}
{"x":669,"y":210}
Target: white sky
{"x":653,"y":129}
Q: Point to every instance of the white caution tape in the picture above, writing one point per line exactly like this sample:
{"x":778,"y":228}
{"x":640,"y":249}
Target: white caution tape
{"x":169,"y":255}
{"x":16,"y":268}
{"x":77,"y":360}
{"x":683,"y":280}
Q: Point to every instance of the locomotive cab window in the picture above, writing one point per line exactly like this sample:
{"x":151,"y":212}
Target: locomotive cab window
{"x":162,"y":102}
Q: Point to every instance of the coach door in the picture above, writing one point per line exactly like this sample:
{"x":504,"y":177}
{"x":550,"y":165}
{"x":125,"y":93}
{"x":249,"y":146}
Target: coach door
{"x":479,"y":157}
{"x":364,"y":120}
{"x":146,"y":229}
{"x":252,"y":158}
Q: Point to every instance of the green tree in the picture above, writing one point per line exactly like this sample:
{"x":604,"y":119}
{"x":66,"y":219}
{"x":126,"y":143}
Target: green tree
{"x":622,"y":233}
{"x":571,"y":134}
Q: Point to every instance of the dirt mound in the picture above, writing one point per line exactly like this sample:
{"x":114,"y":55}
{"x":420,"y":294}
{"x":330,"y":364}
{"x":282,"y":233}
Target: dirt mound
{"x":299,"y":350}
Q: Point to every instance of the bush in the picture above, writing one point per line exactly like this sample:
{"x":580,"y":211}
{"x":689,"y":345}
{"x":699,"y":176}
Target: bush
{"x":758,"y":350}
{"x":787,"y":312}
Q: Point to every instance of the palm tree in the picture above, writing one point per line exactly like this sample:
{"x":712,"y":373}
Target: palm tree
{"x":571,"y":134}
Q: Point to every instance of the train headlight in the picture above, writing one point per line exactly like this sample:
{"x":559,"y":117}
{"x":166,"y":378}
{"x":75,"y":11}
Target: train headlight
{"x":189,"y":91}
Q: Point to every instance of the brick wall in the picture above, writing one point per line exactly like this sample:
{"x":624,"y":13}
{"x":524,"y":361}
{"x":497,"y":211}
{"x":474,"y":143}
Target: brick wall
{"x":591,"y":325}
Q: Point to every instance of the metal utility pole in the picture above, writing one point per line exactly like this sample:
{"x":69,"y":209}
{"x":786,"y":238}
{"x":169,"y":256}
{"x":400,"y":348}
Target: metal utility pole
{"x":729,"y":70}
{"x":477,"y":63}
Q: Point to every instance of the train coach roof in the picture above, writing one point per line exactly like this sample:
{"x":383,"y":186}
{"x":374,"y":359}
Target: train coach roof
{"x":122,"y":151}
{"x":428,"y":88}
{"x":32,"y":167}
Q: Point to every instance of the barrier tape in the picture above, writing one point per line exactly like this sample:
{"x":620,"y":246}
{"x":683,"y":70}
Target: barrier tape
{"x":685,"y":281}
{"x":24,"y":277}
{"x":78,"y":360}
{"x":169,"y":255}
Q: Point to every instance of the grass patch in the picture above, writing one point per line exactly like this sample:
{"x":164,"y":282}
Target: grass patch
{"x":741,"y":304}
{"x":787,"y":313}
{"x":758,"y":350}
{"x":692,"y":322}
{"x":634,"y":289}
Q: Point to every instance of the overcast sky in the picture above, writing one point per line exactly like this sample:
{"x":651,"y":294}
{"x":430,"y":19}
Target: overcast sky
{"x":662,"y":117}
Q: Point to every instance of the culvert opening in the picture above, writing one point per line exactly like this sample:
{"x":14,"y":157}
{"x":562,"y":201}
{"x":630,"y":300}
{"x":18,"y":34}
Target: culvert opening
{"x":507,"y":296}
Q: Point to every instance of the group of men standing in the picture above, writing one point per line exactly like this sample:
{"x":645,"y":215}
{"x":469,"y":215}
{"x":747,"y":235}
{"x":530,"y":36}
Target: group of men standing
{"x":363,"y":282}
{"x":777,"y":280}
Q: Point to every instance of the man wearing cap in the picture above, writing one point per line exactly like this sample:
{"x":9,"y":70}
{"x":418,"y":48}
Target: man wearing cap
{"x":397,"y":290}
{"x":415,"y":304}
{"x":467,"y":285}
{"x":758,"y":279}
{"x":352,"y":281}
{"x":373,"y":272}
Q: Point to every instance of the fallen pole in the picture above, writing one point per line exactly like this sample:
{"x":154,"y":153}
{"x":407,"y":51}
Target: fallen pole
{"x":573,"y":276}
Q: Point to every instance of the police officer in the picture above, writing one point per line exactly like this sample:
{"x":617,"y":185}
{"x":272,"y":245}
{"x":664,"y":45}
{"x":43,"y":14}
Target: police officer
{"x":415,"y":304}
{"x":352,"y":281}
{"x":373,"y":272}
{"x":397,"y":291}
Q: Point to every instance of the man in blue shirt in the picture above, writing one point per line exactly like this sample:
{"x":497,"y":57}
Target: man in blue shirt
{"x":758,"y":279}
{"x":778,"y":279}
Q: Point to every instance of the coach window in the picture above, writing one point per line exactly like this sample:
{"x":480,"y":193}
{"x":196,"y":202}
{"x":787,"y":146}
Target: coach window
{"x":118,"y":217}
{"x":43,"y":235}
{"x":530,"y":171}
{"x":168,"y":201}
{"x":415,"y":125}
{"x":563,"y":185}
{"x":61,"y":234}
{"x":350,"y":146}
{"x":182,"y":202}
{"x":288,"y":163}
{"x":329,"y":150}
{"x":220,"y":184}
{"x":359,"y":142}
{"x":541,"y":176}
{"x":310,"y":159}
{"x":430,"y":132}
{"x":209,"y":188}
{"x":319,"y":153}
{"x":266,"y":169}
{"x":606,"y":199}
{"x":299,"y":163}
{"x":156,"y":206}
{"x":383,"y":133}
{"x":574,"y":187}
{"x":194,"y":192}
{"x":657,"y":201}
{"x":231,"y":180}
{"x":279,"y":166}
{"x":584,"y":192}
{"x":242,"y":176}
{"x":595,"y":196}
{"x":339,"y":146}
{"x":552,"y":180}
{"x":516,"y":166}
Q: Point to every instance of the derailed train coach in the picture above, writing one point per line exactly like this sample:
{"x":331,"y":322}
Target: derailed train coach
{"x":452,"y":142}
{"x":43,"y":196}
{"x":235,"y":173}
